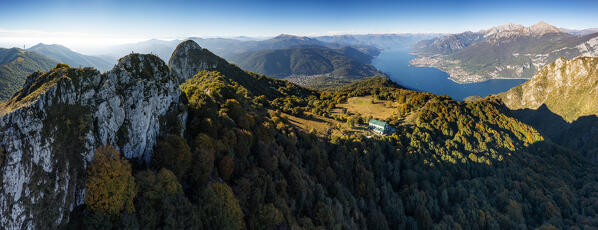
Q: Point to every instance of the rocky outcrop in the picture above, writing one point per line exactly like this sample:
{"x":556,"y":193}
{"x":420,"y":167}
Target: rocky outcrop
{"x":189,"y":58}
{"x":51,"y":128}
{"x":568,"y":89}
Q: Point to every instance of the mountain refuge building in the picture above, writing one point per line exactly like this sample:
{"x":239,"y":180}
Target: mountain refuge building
{"x":379,"y":127}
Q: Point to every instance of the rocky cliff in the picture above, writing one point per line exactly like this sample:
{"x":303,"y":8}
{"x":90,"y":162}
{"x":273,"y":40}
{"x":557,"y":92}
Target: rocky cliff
{"x":560,"y":102}
{"x":50,"y":129}
{"x":189,"y":58}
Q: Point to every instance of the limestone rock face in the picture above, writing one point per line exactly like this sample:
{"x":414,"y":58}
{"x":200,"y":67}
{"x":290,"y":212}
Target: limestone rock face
{"x":50,"y":129}
{"x":189,"y":58}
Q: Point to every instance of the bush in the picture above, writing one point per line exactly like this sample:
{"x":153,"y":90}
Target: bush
{"x":61,"y":65}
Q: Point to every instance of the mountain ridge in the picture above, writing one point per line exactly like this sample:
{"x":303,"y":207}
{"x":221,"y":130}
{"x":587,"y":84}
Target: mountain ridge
{"x":15,"y":65}
{"x":65,"y":55}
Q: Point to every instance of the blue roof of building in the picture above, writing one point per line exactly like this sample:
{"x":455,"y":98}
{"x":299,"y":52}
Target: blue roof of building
{"x":377,"y":122}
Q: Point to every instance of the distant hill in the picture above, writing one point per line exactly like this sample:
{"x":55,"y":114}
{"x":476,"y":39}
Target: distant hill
{"x":74,"y":59}
{"x":305,"y":64}
{"x":506,"y":51}
{"x":15,"y":65}
{"x":580,"y":32}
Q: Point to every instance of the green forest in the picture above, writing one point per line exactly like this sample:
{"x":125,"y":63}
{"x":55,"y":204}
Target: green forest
{"x":240,"y":164}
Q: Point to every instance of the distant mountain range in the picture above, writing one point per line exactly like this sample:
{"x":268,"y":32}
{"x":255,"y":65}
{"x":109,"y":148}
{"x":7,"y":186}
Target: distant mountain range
{"x":381,"y":41}
{"x":228,"y":47}
{"x":506,"y":51}
{"x":224,"y":47}
{"x":74,"y":59}
{"x":15,"y":65}
{"x":580,"y":32}
{"x":300,"y":59}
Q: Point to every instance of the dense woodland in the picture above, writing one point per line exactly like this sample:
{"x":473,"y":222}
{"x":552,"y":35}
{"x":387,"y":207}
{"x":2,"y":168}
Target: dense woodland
{"x":240,"y":164}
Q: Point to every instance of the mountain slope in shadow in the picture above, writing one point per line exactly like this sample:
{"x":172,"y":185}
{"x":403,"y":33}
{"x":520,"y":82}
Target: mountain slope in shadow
{"x":580,"y":134}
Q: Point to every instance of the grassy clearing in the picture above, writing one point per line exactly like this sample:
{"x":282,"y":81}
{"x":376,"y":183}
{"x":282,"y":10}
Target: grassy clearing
{"x":363,"y":107}
{"x":368,"y":106}
{"x":321,"y":125}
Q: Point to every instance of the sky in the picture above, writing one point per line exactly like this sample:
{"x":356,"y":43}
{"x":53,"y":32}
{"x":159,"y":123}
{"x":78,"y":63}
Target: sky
{"x":96,"y":23}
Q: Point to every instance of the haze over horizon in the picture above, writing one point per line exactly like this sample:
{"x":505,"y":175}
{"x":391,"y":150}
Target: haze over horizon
{"x":88,"y":25}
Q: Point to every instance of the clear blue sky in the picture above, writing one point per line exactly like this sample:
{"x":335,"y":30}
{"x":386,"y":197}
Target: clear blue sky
{"x":183,"y":18}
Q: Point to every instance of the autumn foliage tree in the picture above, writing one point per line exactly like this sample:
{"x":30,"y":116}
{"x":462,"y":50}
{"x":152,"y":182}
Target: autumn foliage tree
{"x":110,"y":185}
{"x":174,"y":154}
{"x":161,"y":202}
{"x":221,"y":208}
{"x":226,"y":167}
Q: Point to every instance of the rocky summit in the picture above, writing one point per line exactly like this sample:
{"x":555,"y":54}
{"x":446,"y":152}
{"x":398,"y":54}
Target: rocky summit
{"x":49,"y":130}
{"x":188,"y":58}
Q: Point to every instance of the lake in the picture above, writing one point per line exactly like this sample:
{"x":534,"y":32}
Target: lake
{"x":395,"y":63}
